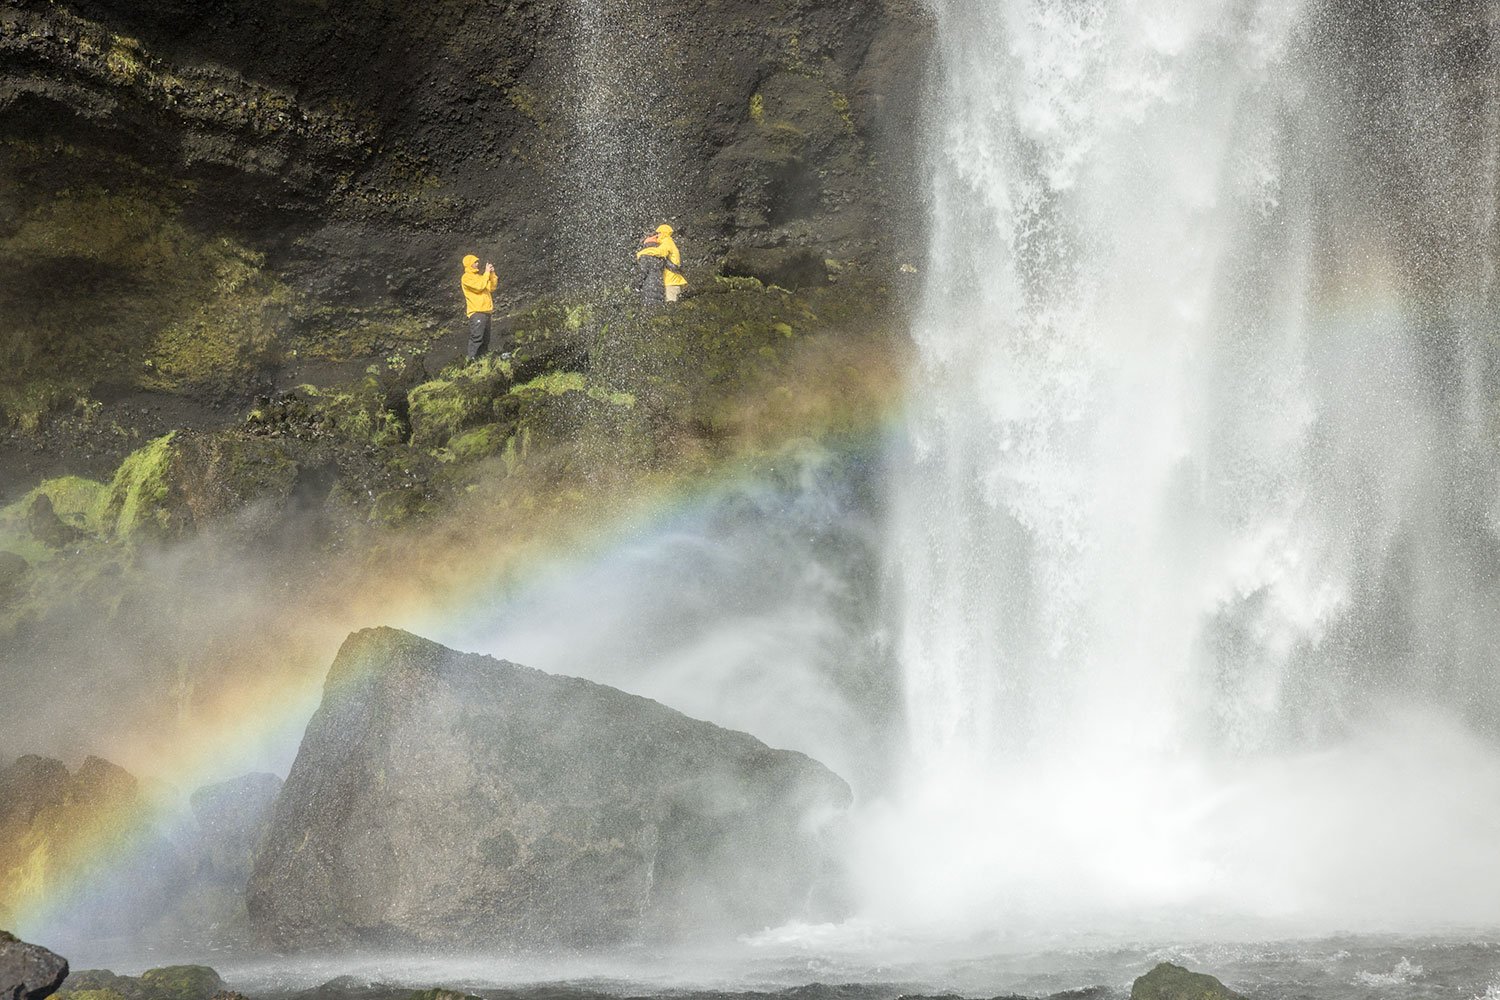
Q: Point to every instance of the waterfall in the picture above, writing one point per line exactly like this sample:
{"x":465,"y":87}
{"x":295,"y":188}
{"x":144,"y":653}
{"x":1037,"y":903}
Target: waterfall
{"x":1193,"y":552}
{"x":621,"y":165}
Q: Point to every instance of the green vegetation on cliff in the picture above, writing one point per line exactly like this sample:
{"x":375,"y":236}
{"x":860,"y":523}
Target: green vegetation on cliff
{"x":137,"y":496}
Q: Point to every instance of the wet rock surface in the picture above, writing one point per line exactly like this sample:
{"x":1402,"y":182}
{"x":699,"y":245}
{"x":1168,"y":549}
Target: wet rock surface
{"x":27,"y":971}
{"x":1173,"y":982}
{"x":251,"y":209}
{"x":444,"y":799}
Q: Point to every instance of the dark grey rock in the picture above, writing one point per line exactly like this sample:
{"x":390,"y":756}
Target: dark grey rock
{"x":444,"y":799}
{"x":46,"y":527}
{"x":28,"y":972}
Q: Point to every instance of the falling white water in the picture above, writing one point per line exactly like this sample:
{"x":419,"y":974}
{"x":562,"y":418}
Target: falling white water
{"x":1177,"y":477}
{"x":621,"y":173}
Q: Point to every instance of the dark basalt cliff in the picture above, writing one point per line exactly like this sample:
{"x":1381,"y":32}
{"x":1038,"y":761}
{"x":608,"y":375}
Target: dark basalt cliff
{"x":199,"y":199}
{"x":443,"y":799}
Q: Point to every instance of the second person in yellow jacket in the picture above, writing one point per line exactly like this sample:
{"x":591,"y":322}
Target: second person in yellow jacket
{"x":672,"y":279}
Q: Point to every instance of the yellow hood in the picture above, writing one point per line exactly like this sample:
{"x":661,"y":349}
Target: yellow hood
{"x":471,"y":263}
{"x":664,"y":230}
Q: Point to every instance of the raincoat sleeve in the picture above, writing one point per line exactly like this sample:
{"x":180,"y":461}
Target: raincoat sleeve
{"x":481,"y":283}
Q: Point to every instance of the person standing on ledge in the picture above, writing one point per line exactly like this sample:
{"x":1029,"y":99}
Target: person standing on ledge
{"x":477,"y":296}
{"x":666,"y":248}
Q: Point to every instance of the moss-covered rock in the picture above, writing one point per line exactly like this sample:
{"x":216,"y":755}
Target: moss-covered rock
{"x":394,"y":508}
{"x":136,"y":502}
{"x":438,"y":993}
{"x":480,"y":443}
{"x":97,"y":984}
{"x":464,"y":398}
{"x":1173,"y":982}
{"x":180,"y":982}
{"x":76,"y":500}
{"x":172,"y":982}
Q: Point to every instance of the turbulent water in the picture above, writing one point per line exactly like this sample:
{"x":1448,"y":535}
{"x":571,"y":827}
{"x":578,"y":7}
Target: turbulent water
{"x":1195,"y":543}
{"x":617,"y":181}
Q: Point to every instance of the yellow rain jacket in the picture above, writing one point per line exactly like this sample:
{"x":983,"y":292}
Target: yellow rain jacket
{"x":666,"y":248}
{"x":477,"y":287}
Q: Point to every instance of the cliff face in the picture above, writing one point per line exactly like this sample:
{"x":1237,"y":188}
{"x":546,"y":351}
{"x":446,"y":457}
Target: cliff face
{"x":448,"y":800}
{"x":197,"y":203}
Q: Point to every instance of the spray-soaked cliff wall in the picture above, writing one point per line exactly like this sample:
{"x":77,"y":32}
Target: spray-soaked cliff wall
{"x":250,"y":182}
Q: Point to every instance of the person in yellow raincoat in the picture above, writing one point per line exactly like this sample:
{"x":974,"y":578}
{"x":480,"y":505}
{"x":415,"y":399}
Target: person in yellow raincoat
{"x":480,"y":302}
{"x":672,"y":278}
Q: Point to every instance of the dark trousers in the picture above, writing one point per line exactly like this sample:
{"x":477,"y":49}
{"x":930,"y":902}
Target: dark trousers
{"x":479,"y":334}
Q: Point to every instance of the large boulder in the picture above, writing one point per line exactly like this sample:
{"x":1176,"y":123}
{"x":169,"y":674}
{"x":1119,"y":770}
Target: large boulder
{"x":28,"y":972}
{"x":1173,"y":982}
{"x":448,"y":800}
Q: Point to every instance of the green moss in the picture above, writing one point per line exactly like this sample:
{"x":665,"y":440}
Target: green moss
{"x":482,"y":442}
{"x":186,"y":309}
{"x":394,"y":508}
{"x":358,"y":415}
{"x":553,"y":383}
{"x":558,"y":383}
{"x":138,"y":492}
{"x":89,"y":995}
{"x":180,"y":982}
{"x":24,"y":404}
{"x":757,"y":108}
{"x":77,"y":501}
{"x":440,"y":994}
{"x":442,"y":408}
{"x":1173,"y":982}
{"x":841,"y":106}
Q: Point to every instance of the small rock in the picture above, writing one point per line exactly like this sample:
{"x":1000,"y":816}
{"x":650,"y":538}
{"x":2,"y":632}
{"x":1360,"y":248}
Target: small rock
{"x":28,"y":972}
{"x":47,"y":527}
{"x":183,"y":982}
{"x":1173,"y":982}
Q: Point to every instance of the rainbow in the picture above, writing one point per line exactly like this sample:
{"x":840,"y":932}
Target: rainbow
{"x":419,"y":581}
